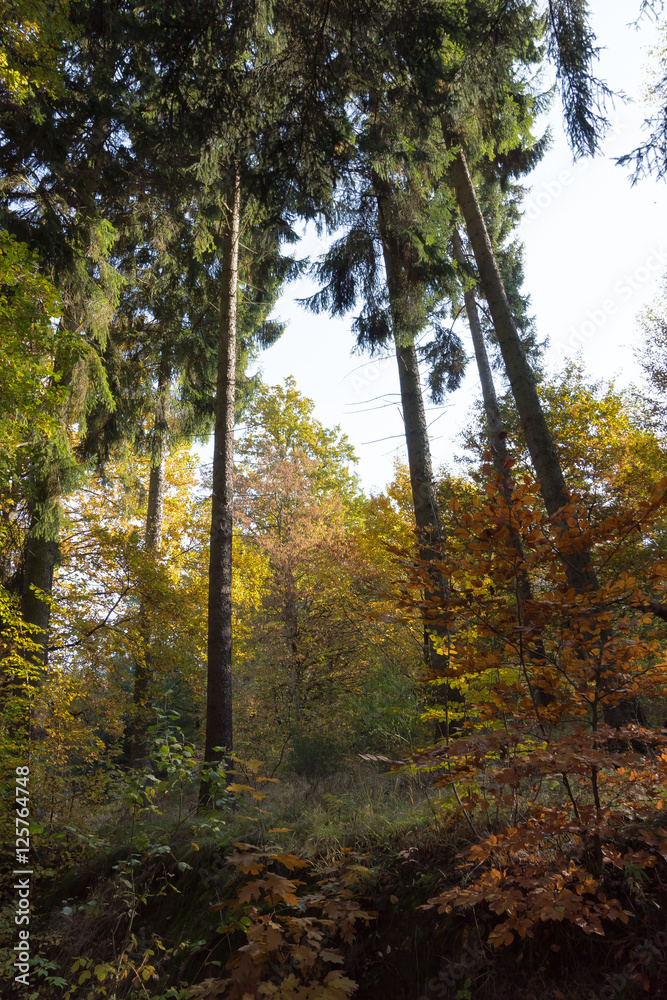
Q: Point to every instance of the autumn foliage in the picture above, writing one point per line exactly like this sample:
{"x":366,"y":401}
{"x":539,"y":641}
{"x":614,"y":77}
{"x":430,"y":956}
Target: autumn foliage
{"x":555,"y":797}
{"x":546,"y":797}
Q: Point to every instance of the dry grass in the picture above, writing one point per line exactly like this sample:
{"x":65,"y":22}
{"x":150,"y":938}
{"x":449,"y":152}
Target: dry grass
{"x":359,"y":807}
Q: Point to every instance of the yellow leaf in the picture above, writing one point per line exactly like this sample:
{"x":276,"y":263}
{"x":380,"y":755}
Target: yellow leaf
{"x":291,"y":861}
{"x":235,"y":787}
{"x":331,"y":956}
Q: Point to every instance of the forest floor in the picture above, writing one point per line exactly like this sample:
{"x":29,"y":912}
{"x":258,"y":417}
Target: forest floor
{"x":149,"y":902}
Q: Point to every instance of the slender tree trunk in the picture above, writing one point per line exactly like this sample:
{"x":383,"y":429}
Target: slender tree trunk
{"x":494,"y":424}
{"x":496,"y":435}
{"x":17,"y":677}
{"x":143,"y":668}
{"x":424,"y":501}
{"x":578,"y":567}
{"x":291,"y":635}
{"x":41,"y":550}
{"x":40,"y":554}
{"x":412,"y":401}
{"x":155,"y":508}
{"x":219,"y":687}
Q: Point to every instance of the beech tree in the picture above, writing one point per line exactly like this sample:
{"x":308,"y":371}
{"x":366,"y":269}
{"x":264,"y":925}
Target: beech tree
{"x":495,"y":429}
{"x":319,"y":644}
{"x":293,"y":484}
{"x":610,"y":453}
{"x":485,"y":108}
{"x":128,"y":615}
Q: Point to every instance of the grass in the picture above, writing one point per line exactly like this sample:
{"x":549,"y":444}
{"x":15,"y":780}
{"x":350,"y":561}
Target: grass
{"x":359,"y":806}
{"x":154,"y":874}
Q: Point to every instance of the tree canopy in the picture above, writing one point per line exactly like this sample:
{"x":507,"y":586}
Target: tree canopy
{"x":265,"y":732}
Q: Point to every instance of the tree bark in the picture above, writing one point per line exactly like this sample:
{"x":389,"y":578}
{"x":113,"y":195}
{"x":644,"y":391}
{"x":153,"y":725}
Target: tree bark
{"x":18,"y":676}
{"x":291,"y":616}
{"x":424,"y":503}
{"x":155,"y":508}
{"x":143,"y":667}
{"x":219,"y":686}
{"x":656,"y":608}
{"x":38,"y":568}
{"x":427,"y":518}
{"x":41,"y":548}
{"x":494,"y":424}
{"x":416,"y":435}
{"x":578,"y":567}
{"x":40,"y":556}
{"x":496,"y":436}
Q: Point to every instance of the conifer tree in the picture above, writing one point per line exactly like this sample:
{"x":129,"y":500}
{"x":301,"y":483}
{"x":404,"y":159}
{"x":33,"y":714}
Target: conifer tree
{"x":57,"y":169}
{"x":236,"y":93}
{"x":391,"y":258}
{"x":480,"y":105}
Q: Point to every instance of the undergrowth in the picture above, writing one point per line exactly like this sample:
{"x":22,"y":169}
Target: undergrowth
{"x":311,"y":889}
{"x":522,"y":856}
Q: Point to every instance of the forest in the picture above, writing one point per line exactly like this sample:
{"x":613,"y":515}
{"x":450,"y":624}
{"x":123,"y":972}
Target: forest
{"x":264,"y":732}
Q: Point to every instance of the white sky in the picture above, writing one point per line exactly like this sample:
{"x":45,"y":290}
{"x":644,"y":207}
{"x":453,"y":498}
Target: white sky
{"x":595,"y":254}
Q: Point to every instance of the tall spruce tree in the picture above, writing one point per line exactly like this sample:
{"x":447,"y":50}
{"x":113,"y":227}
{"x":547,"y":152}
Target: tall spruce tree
{"x":391,"y":260}
{"x":241,"y":93}
{"x":56,"y":166}
{"x":472,"y":116}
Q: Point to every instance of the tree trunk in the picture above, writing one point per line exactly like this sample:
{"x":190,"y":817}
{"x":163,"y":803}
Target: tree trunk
{"x":578,"y":567}
{"x":143,"y":668}
{"x":494,"y":424}
{"x":155,"y":508}
{"x":41,"y":547}
{"x":496,"y":436}
{"x":21,"y":673}
{"x":424,"y":501}
{"x":39,"y":563}
{"x":412,"y":402}
{"x":40,"y":555}
{"x":291,"y":616}
{"x":219,"y":686}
